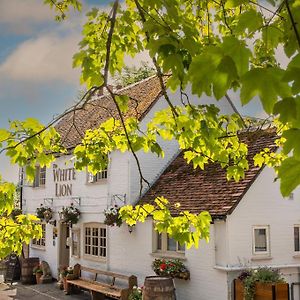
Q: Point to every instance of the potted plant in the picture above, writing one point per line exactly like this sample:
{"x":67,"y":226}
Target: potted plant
{"x":38,"y":272}
{"x":170,"y":267}
{"x":69,"y":214}
{"x":263,"y":281}
{"x":44,"y":213}
{"x":136,"y":293}
{"x":112,"y":217}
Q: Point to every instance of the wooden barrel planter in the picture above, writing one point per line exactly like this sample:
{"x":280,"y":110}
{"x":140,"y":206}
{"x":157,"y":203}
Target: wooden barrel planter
{"x":3,"y":267}
{"x":158,"y":288}
{"x":28,"y":264}
{"x":263,"y":291}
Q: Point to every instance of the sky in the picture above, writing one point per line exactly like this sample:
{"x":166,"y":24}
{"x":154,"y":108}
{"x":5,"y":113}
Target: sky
{"x":36,"y":75}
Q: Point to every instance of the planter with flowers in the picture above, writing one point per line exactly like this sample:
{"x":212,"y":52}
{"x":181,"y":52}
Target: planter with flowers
{"x":44,"y":213}
{"x":69,"y":214}
{"x":170,"y":267}
{"x":263,"y":282}
{"x":112,"y":217}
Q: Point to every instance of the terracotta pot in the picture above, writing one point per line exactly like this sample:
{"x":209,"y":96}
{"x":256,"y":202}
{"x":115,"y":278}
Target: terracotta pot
{"x":38,"y":277}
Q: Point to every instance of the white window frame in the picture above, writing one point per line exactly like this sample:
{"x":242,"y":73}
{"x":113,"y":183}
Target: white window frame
{"x":40,"y":243}
{"x":90,"y":256}
{"x":98,"y":177}
{"x":75,"y":237}
{"x":40,"y":181}
{"x":296,"y":226}
{"x":268,"y":251}
{"x":164,"y":246}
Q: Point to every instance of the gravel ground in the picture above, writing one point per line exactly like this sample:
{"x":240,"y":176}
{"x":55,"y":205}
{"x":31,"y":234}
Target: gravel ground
{"x":18,"y":291}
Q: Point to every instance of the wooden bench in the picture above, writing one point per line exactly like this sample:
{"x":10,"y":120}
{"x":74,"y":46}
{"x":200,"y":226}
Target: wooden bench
{"x":99,"y":289}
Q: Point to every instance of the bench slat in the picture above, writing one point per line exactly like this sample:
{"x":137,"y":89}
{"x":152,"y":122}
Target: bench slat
{"x":97,"y":287}
{"x":106,"y":273}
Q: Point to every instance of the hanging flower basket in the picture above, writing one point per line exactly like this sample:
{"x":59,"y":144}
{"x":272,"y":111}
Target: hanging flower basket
{"x":69,"y":214}
{"x":44,"y":213}
{"x":171,"y":268}
{"x":112,"y":216}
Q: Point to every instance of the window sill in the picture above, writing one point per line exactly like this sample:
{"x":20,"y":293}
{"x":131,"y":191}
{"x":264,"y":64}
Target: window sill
{"x":261,"y":257}
{"x":94,"y":258}
{"x":103,"y":181}
{"x":38,"y":248}
{"x":168,"y":255}
{"x":296,"y":255}
{"x":39,"y":187}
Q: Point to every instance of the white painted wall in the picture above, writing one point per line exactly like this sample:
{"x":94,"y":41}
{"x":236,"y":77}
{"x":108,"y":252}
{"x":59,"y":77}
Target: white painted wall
{"x":93,"y":200}
{"x":264,"y":205}
{"x":132,"y":253}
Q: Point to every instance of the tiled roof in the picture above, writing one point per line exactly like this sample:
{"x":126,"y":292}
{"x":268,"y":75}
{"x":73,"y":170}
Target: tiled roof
{"x":142,"y":96}
{"x":208,"y":189}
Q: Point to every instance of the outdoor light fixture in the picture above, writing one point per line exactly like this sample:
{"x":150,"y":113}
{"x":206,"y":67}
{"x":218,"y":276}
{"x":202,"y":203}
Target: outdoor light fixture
{"x":130,"y":228}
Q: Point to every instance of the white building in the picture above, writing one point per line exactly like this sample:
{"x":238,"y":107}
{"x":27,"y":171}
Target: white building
{"x":241,"y":211}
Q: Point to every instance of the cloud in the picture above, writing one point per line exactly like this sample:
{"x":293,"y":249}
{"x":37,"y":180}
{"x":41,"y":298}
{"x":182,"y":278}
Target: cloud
{"x":21,"y":17}
{"x":43,"y":59}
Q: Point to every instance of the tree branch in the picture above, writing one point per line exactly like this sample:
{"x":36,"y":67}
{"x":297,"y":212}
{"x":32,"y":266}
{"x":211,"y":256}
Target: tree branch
{"x":293,"y":22}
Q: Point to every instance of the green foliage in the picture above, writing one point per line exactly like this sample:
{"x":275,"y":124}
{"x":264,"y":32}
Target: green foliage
{"x":62,"y":6}
{"x":134,"y":74}
{"x":185,"y":228}
{"x":136,"y":294}
{"x":215,"y":38}
{"x":14,"y":230}
{"x":29,"y":143}
{"x":261,"y":275}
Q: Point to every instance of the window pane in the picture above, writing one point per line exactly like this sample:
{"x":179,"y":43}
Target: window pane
{"x":159,"y":242}
{"x":172,"y":244}
{"x":260,"y":240}
{"x":181,"y":247}
{"x":296,"y":238}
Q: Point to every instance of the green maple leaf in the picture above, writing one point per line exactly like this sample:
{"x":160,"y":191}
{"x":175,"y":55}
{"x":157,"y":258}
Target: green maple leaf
{"x":122,"y":101}
{"x":292,"y":142}
{"x":287,"y":109}
{"x":265,"y":83}
{"x":225,"y":74}
{"x":202,"y":69}
{"x":250,"y":20}
{"x":289,"y":174}
{"x":292,"y":74}
{"x":238,"y":51}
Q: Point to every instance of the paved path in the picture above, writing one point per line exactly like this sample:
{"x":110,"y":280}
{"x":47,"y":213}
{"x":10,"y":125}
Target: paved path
{"x":17,"y":291}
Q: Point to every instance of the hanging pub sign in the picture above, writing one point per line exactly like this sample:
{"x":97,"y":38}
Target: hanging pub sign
{"x":63,"y":181}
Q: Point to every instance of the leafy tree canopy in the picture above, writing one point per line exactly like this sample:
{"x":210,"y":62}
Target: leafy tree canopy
{"x":214,"y":46}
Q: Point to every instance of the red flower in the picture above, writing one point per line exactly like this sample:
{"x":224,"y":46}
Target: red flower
{"x":163,"y":266}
